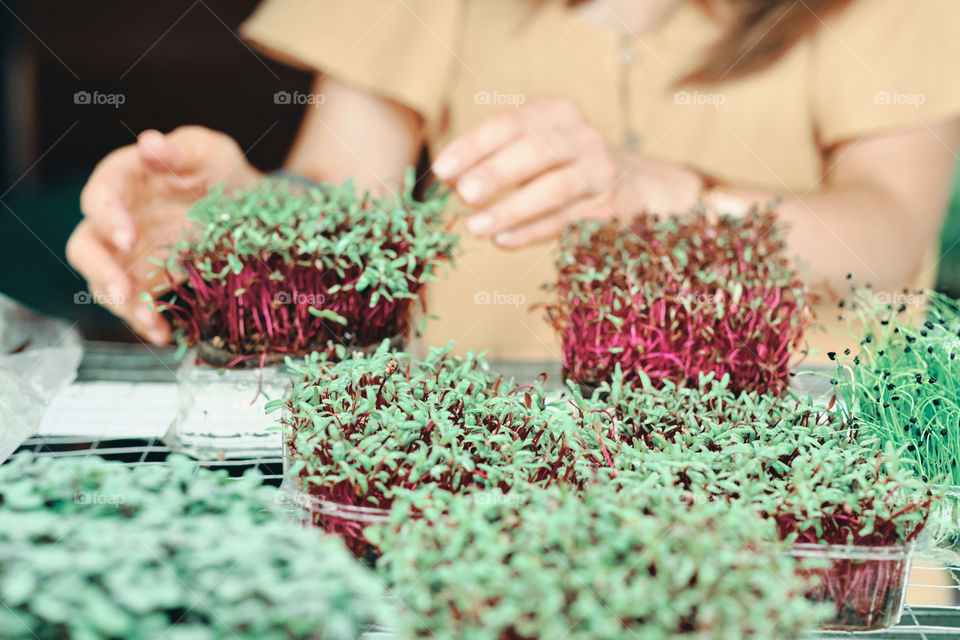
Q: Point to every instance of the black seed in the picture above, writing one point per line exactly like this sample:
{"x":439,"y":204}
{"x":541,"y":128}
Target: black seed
{"x":918,"y":377}
{"x":932,"y":380}
{"x":849,"y":276}
{"x":929,"y":349}
{"x":906,"y":349}
{"x":832,"y":355}
{"x":891,"y":386}
{"x":880,"y":353}
{"x":913,"y":420}
{"x":886,"y":405}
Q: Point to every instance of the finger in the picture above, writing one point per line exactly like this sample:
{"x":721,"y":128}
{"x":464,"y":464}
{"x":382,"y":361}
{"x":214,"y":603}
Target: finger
{"x":150,"y":323}
{"x":554,"y":223}
{"x":110,"y":285}
{"x":551,"y":191}
{"x":96,"y":263}
{"x":103,"y":198}
{"x":499,"y":129}
{"x":524,"y":158}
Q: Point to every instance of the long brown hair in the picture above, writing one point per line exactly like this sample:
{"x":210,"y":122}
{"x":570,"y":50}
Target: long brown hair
{"x":759,"y":33}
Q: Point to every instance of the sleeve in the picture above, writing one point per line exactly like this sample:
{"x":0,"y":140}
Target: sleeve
{"x":886,"y":64}
{"x":401,"y":50}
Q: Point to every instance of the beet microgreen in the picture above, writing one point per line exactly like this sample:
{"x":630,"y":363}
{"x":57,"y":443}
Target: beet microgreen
{"x":815,"y":475}
{"x":364,"y":430}
{"x":277,"y":270}
{"x":678,"y":297}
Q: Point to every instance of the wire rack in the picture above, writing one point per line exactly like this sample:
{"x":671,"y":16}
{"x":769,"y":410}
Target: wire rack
{"x":932,"y":611}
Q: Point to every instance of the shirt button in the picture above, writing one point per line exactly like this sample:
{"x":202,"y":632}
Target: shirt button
{"x":632,"y":140}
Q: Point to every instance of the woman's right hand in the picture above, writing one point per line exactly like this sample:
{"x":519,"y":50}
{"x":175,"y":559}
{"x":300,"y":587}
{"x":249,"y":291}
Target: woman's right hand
{"x":133,"y":208}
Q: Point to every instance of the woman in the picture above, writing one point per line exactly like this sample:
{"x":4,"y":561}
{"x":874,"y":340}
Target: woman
{"x":538,"y":113}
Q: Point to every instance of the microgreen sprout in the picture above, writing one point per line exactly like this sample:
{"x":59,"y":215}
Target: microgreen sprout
{"x":903,"y":383}
{"x":279,"y":270}
{"x":363,"y":431}
{"x":602,"y":564}
{"x":94,"y":549}
{"x":677,"y":297}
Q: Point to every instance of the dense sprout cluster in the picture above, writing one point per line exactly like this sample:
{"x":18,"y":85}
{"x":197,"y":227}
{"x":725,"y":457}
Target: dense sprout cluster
{"x":364,"y":430}
{"x":278,"y":269}
{"x":678,"y":297}
{"x":818,"y":476}
{"x":814,"y":475}
{"x":93,"y":549}
{"x":639,"y":562}
{"x":903,"y":383}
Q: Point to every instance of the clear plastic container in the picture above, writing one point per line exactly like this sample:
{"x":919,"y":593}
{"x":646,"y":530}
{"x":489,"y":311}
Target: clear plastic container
{"x":866,"y":586}
{"x":220,"y":412}
{"x":940,"y":539}
{"x":346,"y":521}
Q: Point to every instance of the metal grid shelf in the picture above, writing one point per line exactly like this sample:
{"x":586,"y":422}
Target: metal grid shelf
{"x":137,"y":452}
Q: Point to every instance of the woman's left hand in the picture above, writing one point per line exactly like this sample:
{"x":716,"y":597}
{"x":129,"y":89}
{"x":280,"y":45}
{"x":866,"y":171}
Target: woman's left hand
{"x":557,"y":168}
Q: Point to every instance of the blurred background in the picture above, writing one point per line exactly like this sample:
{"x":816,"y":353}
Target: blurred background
{"x":81,"y":79}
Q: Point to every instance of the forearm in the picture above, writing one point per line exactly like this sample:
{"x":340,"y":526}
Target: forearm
{"x":855,"y":229}
{"x":354,"y":134}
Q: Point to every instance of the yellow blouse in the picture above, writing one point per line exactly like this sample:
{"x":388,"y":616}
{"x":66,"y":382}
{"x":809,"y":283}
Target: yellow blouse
{"x":879,"y":65}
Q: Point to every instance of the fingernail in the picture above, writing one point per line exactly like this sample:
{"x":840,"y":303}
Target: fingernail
{"x":143,"y":316}
{"x":470,"y":189}
{"x":445,"y":166}
{"x":479,"y":224}
{"x":123,"y":239}
{"x":505,"y":239}
{"x":156,"y":336}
